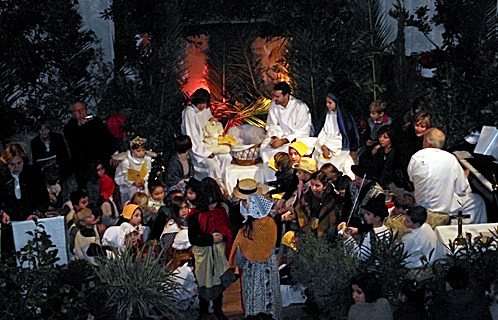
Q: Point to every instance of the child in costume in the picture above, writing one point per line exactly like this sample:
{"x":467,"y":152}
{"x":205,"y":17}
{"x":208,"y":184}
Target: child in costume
{"x":87,"y":240}
{"x":133,"y":172}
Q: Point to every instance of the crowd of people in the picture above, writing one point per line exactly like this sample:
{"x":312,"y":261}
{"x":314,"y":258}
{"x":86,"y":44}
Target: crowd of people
{"x":338,"y":185}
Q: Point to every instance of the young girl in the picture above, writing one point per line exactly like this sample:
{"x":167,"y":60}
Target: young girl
{"x":180,"y":168}
{"x":109,"y":195}
{"x":286,"y":178}
{"x":87,"y":239}
{"x":210,"y":234}
{"x":192,"y":189}
{"x":130,"y":221}
{"x":214,"y":194}
{"x":297,"y":150}
{"x":179,"y":210}
{"x":384,"y":157}
{"x":368,"y":303}
{"x":337,"y":138}
{"x":318,"y":208}
{"x":254,"y":251}
{"x":133,"y":172}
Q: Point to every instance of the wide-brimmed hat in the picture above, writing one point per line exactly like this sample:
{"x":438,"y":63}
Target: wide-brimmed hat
{"x":246,"y":187}
{"x":361,"y":172}
{"x":300,"y":147}
{"x":306,"y":165}
{"x":377,"y":206}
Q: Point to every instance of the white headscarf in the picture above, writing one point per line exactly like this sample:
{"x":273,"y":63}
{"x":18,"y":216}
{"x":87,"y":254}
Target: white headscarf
{"x":257,"y":207}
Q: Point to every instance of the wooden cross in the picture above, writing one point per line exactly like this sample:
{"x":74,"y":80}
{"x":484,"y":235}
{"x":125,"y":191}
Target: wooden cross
{"x":460,"y":239}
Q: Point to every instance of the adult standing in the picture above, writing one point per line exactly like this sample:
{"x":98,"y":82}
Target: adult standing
{"x":288,"y":119}
{"x":88,"y":139}
{"x":194,"y":119}
{"x":23,"y":193}
{"x":440,"y":183}
{"x":50,"y":155}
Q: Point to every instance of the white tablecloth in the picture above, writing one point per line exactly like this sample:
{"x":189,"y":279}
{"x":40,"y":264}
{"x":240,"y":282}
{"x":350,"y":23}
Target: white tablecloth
{"x":236,"y":172}
{"x":449,"y":233}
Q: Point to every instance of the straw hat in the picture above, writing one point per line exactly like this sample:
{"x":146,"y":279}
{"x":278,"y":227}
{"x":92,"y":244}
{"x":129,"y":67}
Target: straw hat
{"x":245,"y":187}
{"x":306,"y":165}
{"x":300,"y":147}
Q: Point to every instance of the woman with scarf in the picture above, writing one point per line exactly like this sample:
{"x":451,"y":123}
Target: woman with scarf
{"x":339,"y":136}
{"x":210,"y":234}
{"x":253,"y":252}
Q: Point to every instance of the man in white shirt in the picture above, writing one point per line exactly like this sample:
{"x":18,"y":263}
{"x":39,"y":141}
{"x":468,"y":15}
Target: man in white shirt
{"x":440,"y":183}
{"x":289,"y":119}
{"x":194,"y":118}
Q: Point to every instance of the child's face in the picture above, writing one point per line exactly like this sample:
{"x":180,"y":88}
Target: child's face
{"x":303,"y":175}
{"x":370,"y":218}
{"x":420,"y":128}
{"x":139,"y":152}
{"x":83,"y":203}
{"x":330,"y":104}
{"x":191,"y":195}
{"x":100,"y":170}
{"x":183,"y":210}
{"x":89,"y":221}
{"x":158,"y":194}
{"x":358,"y":294}
{"x":201,"y":106}
{"x":342,"y":193}
{"x":136,"y":218}
{"x":295,"y":156}
{"x":317,"y":187}
{"x":384,"y":140}
{"x":409,"y":223}
{"x":376,"y":116}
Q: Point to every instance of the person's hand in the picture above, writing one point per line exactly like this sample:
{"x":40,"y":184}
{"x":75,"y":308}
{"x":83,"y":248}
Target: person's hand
{"x":217,"y":237}
{"x":211,"y":156}
{"x":466,"y":173}
{"x":288,"y":216}
{"x":32,"y":216}
{"x":326,"y":152}
{"x":101,"y":228}
{"x":375,"y":149}
{"x":5,"y":218}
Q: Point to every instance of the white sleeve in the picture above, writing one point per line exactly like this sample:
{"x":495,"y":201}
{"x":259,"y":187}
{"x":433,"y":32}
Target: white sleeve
{"x":196,"y":134}
{"x":272,"y":125}
{"x":302,"y":124}
{"x":121,"y":175}
{"x":462,"y":186}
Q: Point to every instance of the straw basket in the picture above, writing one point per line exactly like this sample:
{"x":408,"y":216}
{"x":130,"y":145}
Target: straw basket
{"x":246,"y":155}
{"x":249,"y":138}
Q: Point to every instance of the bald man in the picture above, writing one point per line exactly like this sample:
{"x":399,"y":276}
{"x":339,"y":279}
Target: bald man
{"x":440,"y":182}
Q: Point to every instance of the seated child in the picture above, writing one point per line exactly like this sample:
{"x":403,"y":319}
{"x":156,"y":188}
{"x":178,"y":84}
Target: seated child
{"x":368,"y":303}
{"x":109,"y":195}
{"x":384,"y":157}
{"x":378,"y":118}
{"x":396,"y":220}
{"x":130,"y":221}
{"x":375,"y":211}
{"x":133,"y":172}
{"x":87,"y":239}
{"x":163,"y":215}
{"x":337,"y":138}
{"x":192,"y":190}
{"x":421,"y":240}
{"x":297,"y":150}
{"x":142,"y":200}
{"x":318,"y":207}
{"x":180,"y":167}
{"x":77,"y":200}
{"x":156,"y":199}
{"x":287,"y":181}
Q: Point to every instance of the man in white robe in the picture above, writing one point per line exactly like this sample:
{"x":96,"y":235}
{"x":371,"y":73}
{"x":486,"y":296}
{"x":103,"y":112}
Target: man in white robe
{"x":289,"y":119}
{"x":440,"y":183}
{"x":194,"y":118}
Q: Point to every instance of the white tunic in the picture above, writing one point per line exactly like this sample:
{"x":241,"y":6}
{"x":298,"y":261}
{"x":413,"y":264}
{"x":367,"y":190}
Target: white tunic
{"x":420,"y":242}
{"x":330,"y":136}
{"x":441,"y":185}
{"x":193,"y":123}
{"x":126,"y":186}
{"x":290,"y":122}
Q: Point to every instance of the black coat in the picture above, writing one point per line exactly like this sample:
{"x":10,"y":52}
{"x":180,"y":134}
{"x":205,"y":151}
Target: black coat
{"x":58,"y":148}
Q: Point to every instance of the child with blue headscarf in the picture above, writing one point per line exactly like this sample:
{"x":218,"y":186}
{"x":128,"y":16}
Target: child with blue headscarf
{"x":339,"y":136}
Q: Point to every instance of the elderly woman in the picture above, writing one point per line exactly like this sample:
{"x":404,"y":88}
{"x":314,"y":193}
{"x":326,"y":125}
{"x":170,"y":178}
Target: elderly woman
{"x":253,"y":252}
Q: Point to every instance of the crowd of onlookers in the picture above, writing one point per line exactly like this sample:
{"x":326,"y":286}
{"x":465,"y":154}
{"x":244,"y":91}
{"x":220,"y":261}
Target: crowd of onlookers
{"x":359,"y":181}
